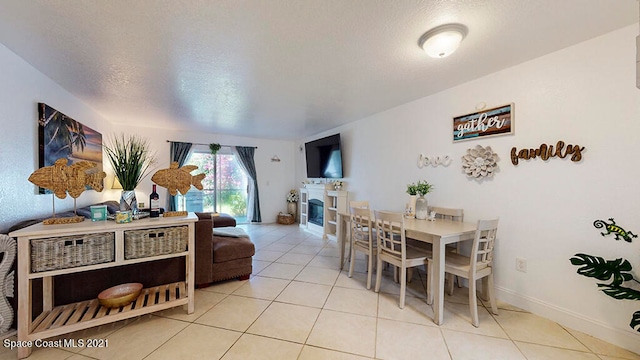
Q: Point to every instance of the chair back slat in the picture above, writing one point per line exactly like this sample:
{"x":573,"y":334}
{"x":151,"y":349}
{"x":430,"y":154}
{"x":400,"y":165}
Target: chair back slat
{"x":483,"y":244}
{"x":447,"y":213}
{"x":390,"y":233}
{"x":359,"y":204}
{"x":361,"y":225}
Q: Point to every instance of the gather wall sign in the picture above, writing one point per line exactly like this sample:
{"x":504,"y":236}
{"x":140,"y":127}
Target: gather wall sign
{"x":545,"y":152}
{"x":480,"y":124}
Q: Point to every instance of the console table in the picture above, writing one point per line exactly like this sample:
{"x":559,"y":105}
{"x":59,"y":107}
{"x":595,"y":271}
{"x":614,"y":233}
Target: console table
{"x":67,"y":318}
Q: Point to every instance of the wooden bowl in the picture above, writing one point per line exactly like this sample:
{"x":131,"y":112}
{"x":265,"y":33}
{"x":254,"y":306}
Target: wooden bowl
{"x":119,"y":295}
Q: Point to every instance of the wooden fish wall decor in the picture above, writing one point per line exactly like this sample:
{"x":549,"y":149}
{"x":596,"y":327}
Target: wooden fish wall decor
{"x":178,"y":179}
{"x":61,"y":178}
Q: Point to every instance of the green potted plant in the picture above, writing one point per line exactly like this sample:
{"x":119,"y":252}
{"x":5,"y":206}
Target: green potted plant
{"x":131,"y":158}
{"x":214,"y":147}
{"x":412,"y":189}
{"x":423,"y":188}
{"x":422,"y":210}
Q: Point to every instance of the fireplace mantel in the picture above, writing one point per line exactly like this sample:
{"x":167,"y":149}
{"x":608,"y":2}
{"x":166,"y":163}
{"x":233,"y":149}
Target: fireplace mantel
{"x":316,"y":191}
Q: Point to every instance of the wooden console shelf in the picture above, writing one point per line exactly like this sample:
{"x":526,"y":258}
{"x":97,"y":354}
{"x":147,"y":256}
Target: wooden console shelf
{"x":67,"y":318}
{"x":90,"y":313}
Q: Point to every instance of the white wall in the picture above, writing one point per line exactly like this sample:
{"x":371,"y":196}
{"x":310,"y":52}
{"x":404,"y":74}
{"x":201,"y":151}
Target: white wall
{"x":21,"y":89}
{"x":275,"y":179}
{"x":582,"y":95}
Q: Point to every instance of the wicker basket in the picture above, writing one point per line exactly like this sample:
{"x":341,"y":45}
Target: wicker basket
{"x":285,"y":219}
{"x":71,"y":251}
{"x":153,"y":242}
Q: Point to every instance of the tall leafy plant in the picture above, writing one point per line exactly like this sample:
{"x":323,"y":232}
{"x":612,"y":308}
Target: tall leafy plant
{"x":614,"y":273}
{"x":130,"y":158}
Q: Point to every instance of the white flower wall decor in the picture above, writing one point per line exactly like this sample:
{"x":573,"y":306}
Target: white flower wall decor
{"x":480,"y":162}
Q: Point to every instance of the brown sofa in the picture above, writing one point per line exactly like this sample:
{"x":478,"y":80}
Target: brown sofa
{"x":222,"y":257}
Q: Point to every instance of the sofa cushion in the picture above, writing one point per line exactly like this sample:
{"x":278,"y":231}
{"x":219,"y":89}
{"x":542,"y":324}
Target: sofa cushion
{"x":86,"y":212}
{"x":219,"y":219}
{"x":231,"y":248}
{"x":112,"y":206}
{"x":230,"y":231}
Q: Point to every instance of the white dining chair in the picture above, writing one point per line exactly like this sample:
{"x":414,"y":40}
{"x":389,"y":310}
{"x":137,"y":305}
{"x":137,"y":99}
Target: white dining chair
{"x":392,"y":249}
{"x":451,"y":214}
{"x":474,"y":267}
{"x":362,"y":239}
{"x":364,"y":204}
{"x":447,"y":213}
{"x":443,"y":213}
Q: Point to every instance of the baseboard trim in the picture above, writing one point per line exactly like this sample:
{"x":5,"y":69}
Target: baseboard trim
{"x":629,"y":340}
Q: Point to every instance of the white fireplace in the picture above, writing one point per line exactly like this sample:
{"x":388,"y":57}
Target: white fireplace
{"x":315,"y":207}
{"x":319,"y":207}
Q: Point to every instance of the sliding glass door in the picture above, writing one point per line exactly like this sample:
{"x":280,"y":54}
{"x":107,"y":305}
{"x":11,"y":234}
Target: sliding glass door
{"x":224,"y":187}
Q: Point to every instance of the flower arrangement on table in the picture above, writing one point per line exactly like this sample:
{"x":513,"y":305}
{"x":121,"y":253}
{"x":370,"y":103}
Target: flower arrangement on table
{"x":418,"y":206}
{"x":423,"y":188}
{"x":412,"y":189}
{"x":338,"y":184}
{"x":293,"y":196}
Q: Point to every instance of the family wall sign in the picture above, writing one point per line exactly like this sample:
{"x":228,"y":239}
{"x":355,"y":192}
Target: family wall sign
{"x":545,"y":152}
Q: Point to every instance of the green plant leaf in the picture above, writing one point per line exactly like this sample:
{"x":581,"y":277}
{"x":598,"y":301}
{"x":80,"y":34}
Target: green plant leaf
{"x":620,"y":292}
{"x":601,"y":269}
{"x":214,"y":147}
{"x":130,"y":158}
{"x":635,"y":321}
{"x":423,"y":188}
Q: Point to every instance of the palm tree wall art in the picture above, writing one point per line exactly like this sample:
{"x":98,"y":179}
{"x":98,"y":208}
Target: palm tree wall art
{"x":60,"y":136}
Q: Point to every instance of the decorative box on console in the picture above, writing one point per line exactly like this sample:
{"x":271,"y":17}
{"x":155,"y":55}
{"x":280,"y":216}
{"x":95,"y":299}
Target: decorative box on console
{"x":71,"y":251}
{"x":152,"y":242}
{"x":98,"y":212}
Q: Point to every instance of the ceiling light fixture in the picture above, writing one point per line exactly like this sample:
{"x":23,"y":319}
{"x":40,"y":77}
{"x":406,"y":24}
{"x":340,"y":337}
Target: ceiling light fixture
{"x":443,"y":40}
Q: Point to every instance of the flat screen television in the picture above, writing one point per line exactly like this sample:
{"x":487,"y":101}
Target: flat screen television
{"x":324,"y":158}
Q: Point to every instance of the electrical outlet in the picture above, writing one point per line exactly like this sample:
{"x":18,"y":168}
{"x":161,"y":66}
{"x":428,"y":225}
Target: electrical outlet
{"x":521,"y":265}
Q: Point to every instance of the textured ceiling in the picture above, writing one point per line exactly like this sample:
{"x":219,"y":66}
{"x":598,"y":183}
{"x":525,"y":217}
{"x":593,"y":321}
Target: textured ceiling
{"x":282,"y":69}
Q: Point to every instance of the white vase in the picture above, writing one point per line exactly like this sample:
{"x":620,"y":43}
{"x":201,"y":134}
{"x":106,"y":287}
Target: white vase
{"x":412,"y":205}
{"x":128,"y":201}
{"x":292,"y":208}
{"x":422,"y":210}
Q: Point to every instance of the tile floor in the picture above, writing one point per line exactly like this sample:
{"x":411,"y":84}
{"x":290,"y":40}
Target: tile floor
{"x":299,"y":305}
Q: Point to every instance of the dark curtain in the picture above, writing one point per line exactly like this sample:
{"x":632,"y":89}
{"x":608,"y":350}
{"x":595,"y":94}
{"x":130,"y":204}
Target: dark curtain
{"x":245,"y":159}
{"x":180,"y":153}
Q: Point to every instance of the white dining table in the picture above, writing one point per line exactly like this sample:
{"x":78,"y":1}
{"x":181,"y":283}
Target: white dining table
{"x":439,"y":233}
